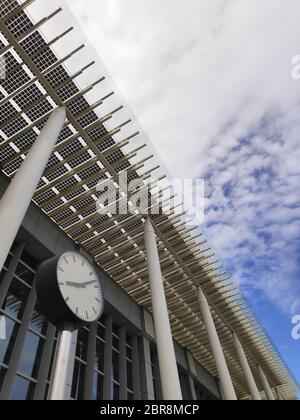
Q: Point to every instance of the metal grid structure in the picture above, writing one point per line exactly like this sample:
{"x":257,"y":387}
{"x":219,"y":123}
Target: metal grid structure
{"x":87,"y":152}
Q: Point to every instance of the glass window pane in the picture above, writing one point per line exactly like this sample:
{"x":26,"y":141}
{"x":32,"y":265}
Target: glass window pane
{"x":82,"y":344}
{"x":98,"y":387}
{"x":6,"y":346}
{"x":129,"y":352}
{"x":115,"y":391}
{"x":78,"y":381}
{"x":24,"y":273}
{"x":115,"y":366}
{"x":129,"y":376}
{"x":115,"y":342}
{"x":31,"y":354}
{"x":38,"y":323}
{"x":16,"y":299}
{"x":101,"y":331}
{"x":99,"y":358}
{"x":21,"y":389}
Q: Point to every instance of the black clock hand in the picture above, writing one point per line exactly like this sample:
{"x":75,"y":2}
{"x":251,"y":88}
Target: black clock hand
{"x":89,"y":282}
{"x":78,"y":285}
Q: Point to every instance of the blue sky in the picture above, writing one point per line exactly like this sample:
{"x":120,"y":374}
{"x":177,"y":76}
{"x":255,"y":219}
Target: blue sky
{"x":211,"y":84}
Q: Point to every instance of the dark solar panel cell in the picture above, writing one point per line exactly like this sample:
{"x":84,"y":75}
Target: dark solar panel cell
{"x":7,"y":6}
{"x":67,"y":91}
{"x":69,"y":182}
{"x":74,"y":193}
{"x":65,"y":134}
{"x":62,"y":170}
{"x":57,"y":76}
{"x":97,"y":133}
{"x":41,"y":184}
{"x":122,"y":167}
{"x":79,"y":105}
{"x":44,"y":107}
{"x":17,"y":125}
{"x":14,"y":80}
{"x":79,"y":160}
{"x":6,"y":153}
{"x":63,"y":214}
{"x":7,"y":111}
{"x":42,"y":198}
{"x":19,"y":24}
{"x":70,"y":149}
{"x":52,"y":161}
{"x":13,"y":166}
{"x":28,"y":96}
{"x":44,"y":60}
{"x":114,"y":157}
{"x":87,"y":119}
{"x":25,"y":139}
{"x":90,"y":170}
{"x":33,"y":43}
{"x":106,"y":144}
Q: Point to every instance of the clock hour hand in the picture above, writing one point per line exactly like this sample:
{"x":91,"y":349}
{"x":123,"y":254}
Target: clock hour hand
{"x":78,"y":285}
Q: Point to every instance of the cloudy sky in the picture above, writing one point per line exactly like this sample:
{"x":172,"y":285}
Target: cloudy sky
{"x":210,"y":81}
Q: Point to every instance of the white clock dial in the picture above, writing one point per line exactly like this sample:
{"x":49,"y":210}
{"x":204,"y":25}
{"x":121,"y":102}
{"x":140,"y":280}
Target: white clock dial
{"x":80,"y":286}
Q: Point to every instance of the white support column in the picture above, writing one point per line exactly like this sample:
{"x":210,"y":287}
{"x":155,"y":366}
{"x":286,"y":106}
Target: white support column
{"x":246,"y":369}
{"x":266,"y":385}
{"x":18,"y":195}
{"x":166,"y":354}
{"x":223,"y":371}
{"x":61,"y":365}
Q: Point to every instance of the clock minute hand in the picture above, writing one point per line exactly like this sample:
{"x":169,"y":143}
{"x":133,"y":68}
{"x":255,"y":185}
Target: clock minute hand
{"x":89,"y":282}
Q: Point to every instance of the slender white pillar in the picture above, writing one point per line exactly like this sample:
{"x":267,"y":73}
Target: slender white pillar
{"x":246,"y":369}
{"x":266,"y":385}
{"x":166,"y":354}
{"x":18,"y":195}
{"x":61,"y":365}
{"x":223,"y":371}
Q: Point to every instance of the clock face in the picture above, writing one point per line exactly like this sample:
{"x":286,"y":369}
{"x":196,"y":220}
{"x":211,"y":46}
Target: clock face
{"x":80,"y":286}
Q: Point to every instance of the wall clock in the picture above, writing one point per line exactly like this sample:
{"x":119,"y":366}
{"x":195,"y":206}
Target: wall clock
{"x":69,"y":290}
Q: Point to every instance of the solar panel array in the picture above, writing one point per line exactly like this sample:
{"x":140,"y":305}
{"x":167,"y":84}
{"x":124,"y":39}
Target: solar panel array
{"x":87,"y":152}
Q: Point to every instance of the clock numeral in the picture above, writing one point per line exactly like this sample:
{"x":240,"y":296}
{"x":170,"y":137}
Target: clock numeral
{"x":67,"y":299}
{"x":76,"y":311}
{"x":95,"y":310}
{"x":66,"y":261}
{"x":61,"y":269}
{"x":98,"y":300}
{"x":87,"y":314}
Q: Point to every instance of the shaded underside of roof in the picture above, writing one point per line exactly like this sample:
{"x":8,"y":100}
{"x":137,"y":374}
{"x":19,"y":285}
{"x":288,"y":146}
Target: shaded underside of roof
{"x":96,"y":144}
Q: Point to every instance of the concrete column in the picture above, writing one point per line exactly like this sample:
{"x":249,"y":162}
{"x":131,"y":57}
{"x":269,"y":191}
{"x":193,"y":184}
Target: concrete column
{"x":90,"y":365}
{"x":147,"y":387}
{"x":266,"y":385}
{"x":123,"y":364}
{"x":223,"y":371}
{"x":18,"y":195}
{"x":246,"y":369}
{"x":107,"y":385}
{"x":136,"y":369}
{"x":165,"y":347}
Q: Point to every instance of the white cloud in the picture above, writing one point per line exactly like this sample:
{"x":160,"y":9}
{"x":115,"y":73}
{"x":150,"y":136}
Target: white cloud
{"x":201,"y":75}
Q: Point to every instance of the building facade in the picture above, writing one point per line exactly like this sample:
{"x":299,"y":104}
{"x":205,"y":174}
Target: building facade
{"x":112,"y":360}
